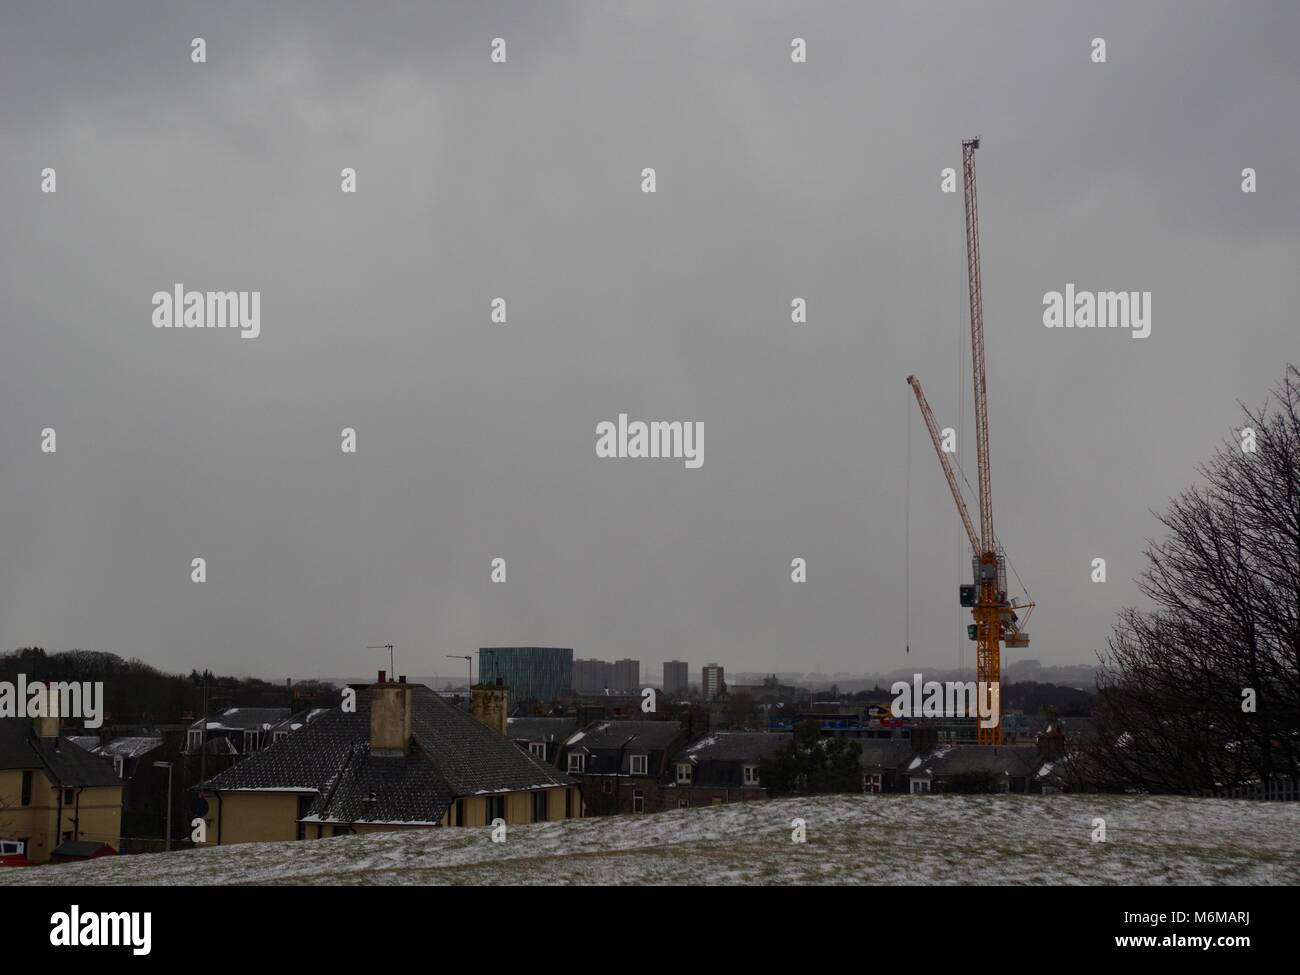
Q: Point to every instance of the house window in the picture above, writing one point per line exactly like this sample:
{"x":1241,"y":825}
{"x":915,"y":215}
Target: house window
{"x":568,"y":803}
{"x":920,"y":785}
{"x":539,"y":807}
{"x":12,"y":848}
{"x":608,"y":785}
{"x":683,"y":803}
{"x":638,"y":801}
{"x":640,"y":764}
{"x":576,"y":762}
{"x":251,"y":741}
{"x":750,"y":775}
{"x":537,"y":749}
{"x":684,"y":770}
{"x":279,"y":736}
{"x":195,"y":739}
{"x":69,"y":797}
{"x":460,"y":812}
{"x":871,"y":782}
{"x":27,"y":789}
{"x":496,"y":808}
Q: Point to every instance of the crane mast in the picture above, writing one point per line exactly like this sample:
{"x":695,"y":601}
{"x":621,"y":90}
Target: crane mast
{"x":995,"y":616}
{"x":988,"y":651}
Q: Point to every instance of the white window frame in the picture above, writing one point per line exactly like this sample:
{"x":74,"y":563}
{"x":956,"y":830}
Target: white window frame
{"x":195,"y":740}
{"x":685,"y":773}
{"x":638,"y":801}
{"x":256,"y":739}
{"x":577,"y":762}
{"x":749,"y":774}
{"x":13,"y":848}
{"x":873,"y":782}
{"x":643,"y":761}
{"x":279,"y":736}
{"x":537,"y":749}
{"x":919,"y":787}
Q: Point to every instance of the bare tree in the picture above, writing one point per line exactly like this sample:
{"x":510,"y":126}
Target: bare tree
{"x":1203,"y":690}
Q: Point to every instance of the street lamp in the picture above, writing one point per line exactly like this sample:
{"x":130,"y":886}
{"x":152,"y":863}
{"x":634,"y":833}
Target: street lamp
{"x":168,"y":767}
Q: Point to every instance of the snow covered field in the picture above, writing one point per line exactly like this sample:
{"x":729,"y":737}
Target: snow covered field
{"x":850,"y":839}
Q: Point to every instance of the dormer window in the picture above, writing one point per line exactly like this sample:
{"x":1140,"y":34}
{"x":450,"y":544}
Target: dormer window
{"x":750,"y":775}
{"x":252,"y":739}
{"x":576,"y":761}
{"x":640,"y":764}
{"x":537,"y":749}
{"x":195,"y":740}
{"x":684,"y":773}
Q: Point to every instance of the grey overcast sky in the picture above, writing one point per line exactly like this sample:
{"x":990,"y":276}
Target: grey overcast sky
{"x":522,"y":180}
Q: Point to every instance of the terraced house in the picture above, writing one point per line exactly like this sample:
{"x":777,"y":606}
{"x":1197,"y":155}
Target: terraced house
{"x":54,"y":795}
{"x":404,"y":759}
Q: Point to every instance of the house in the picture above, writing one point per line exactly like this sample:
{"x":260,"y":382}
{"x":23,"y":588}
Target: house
{"x":405,"y":758}
{"x":541,"y":737}
{"x":240,"y":731}
{"x":620,"y":763}
{"x":720,"y":768}
{"x":882,"y":759}
{"x":52,"y":791}
{"x":974,"y":768}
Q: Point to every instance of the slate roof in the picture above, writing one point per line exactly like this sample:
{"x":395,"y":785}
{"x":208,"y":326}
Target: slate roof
{"x":452,"y":754}
{"x":64,"y":762}
{"x":976,"y":760}
{"x":540,"y":729}
{"x":735,"y":746}
{"x":612,"y":735}
{"x":383,"y":789}
{"x":129,"y":747}
{"x":884,"y":753}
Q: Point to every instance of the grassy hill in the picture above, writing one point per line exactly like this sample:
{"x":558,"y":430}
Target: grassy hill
{"x":855,"y":839}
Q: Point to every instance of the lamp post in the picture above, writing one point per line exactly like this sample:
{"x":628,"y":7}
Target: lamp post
{"x":168,"y":767}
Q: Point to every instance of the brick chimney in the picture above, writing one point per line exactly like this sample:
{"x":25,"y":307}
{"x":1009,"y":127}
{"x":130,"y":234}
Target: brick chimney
{"x":47,"y":725}
{"x":390,"y":717}
{"x":487,"y":703}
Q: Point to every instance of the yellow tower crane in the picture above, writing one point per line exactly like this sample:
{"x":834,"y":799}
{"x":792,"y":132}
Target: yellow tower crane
{"x":996,"y":617}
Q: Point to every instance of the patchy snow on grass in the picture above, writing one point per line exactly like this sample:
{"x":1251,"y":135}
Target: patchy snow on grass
{"x":860,"y":839}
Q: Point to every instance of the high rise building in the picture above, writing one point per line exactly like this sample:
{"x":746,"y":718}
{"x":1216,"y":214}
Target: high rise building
{"x":714,"y":682}
{"x":675,"y":677}
{"x":529,"y":673}
{"x":592,"y":676}
{"x":627,"y":675}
